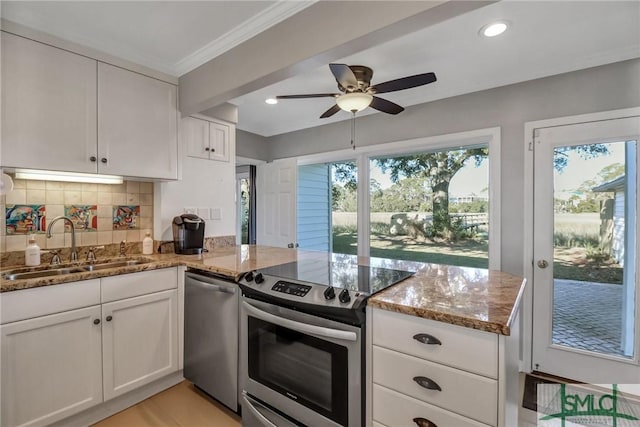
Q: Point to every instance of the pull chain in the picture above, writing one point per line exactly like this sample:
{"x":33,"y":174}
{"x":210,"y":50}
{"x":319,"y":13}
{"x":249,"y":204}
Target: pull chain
{"x":353,"y":129}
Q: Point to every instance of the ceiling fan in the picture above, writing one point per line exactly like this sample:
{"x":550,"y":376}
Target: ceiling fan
{"x":354,"y":81}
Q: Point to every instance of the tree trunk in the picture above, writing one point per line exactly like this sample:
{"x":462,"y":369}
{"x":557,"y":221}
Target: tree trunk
{"x":440,"y":188}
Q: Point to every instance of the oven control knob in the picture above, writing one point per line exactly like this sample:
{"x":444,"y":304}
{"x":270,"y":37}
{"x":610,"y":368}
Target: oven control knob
{"x":329,"y":293}
{"x":259,"y":278}
{"x":249,"y":276}
{"x":344,"y":296}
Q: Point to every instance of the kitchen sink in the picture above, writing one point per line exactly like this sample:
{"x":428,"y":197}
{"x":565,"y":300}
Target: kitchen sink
{"x":29,"y":273}
{"x":42,"y":273}
{"x":114,"y":264}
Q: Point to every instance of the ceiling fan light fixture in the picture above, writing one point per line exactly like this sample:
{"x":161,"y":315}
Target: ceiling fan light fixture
{"x":494,"y":29}
{"x":356,"y":101}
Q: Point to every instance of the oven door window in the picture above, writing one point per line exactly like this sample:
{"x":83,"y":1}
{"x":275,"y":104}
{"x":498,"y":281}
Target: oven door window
{"x":311,"y":371}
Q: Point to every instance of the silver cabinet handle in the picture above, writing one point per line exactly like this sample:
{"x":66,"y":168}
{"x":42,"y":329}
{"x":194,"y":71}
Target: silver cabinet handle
{"x":300,"y":327}
{"x":427,"y":383}
{"x":427,"y":339}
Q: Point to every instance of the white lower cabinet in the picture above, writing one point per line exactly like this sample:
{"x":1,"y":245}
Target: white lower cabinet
{"x":51,"y":367}
{"x":139,"y":341}
{"x":62,"y":351}
{"x":427,"y":373}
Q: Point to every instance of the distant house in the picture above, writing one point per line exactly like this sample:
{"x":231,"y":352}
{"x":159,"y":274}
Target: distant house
{"x":612,"y":217}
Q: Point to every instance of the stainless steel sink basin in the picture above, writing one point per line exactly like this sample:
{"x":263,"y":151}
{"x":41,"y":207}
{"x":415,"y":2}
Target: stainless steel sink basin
{"x":114,"y":264}
{"x":43,"y":273}
{"x":26,"y":273}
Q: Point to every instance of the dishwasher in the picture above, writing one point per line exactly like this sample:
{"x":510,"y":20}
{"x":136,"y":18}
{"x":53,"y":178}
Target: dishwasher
{"x":211,"y":335}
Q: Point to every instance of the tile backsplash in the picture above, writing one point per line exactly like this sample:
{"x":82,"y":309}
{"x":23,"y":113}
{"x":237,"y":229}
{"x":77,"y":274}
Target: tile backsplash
{"x":102,"y":213}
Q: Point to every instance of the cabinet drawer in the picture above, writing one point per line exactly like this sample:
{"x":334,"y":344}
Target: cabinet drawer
{"x":467,"y":394}
{"x":391,"y":408}
{"x":464,"y":348}
{"x":136,"y":284}
{"x":41,"y":301}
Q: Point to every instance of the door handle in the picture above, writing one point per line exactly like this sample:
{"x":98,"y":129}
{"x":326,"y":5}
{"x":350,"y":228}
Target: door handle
{"x":542,"y":263}
{"x":214,"y":287}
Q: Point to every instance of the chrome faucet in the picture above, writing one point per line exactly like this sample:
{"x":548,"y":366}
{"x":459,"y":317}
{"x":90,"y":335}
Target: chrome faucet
{"x":74,"y":252}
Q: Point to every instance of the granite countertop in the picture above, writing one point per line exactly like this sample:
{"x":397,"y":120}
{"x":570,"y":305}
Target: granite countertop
{"x":470,"y":297}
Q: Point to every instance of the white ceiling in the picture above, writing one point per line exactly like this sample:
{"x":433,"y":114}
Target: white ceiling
{"x":545,"y":38}
{"x":169,"y":36}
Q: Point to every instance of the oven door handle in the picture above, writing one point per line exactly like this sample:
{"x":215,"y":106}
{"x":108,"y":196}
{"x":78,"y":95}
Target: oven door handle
{"x":300,"y":327}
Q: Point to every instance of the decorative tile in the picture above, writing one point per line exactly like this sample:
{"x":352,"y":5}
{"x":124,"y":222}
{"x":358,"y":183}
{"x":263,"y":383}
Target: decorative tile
{"x":25,"y":219}
{"x":84,"y":217}
{"x":126,"y":217}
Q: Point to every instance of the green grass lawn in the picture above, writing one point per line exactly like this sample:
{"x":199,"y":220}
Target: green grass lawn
{"x":469,"y":253}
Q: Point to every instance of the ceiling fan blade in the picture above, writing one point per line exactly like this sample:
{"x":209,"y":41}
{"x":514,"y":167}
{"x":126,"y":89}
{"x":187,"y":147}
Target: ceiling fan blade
{"x":310,"y":95}
{"x":330,"y":112}
{"x":404,"y":83}
{"x":385,"y":106}
{"x":344,"y":75}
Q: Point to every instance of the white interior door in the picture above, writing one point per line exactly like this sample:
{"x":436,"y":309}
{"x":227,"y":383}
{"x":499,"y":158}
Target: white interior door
{"x":276,"y":200}
{"x":585,"y":251}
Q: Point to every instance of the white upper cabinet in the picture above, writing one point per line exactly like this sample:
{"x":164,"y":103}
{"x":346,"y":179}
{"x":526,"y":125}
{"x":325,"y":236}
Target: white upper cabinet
{"x":137,"y":124}
{"x":67,"y":112}
{"x":204,"y":139}
{"x":48,"y":107}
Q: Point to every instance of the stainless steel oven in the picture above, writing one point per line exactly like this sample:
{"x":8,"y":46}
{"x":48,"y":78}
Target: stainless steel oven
{"x":300,"y":368}
{"x":302,"y":329}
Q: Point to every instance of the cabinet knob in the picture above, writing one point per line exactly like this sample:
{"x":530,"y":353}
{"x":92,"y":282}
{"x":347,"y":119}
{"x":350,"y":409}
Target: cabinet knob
{"x":423,"y":422}
{"x":109,"y":318}
{"x":427,"y":339}
{"x":206,"y":149}
{"x":213,"y":149}
{"x":96,"y":321}
{"x":93,"y":158}
{"x":103,"y":160}
{"x":427,"y":383}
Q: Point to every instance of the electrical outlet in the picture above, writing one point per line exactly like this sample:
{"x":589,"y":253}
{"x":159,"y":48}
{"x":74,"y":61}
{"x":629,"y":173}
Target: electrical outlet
{"x":216,"y":213}
{"x":189,"y":210}
{"x":203,"y":213}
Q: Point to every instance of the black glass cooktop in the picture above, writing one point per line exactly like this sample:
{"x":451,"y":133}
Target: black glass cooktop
{"x":339,"y":275}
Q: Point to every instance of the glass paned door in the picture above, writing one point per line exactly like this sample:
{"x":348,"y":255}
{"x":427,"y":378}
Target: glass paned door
{"x":585,"y":251}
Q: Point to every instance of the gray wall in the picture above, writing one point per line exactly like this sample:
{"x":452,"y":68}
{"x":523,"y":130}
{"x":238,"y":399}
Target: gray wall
{"x":602,"y":88}
{"x":251,"y":146}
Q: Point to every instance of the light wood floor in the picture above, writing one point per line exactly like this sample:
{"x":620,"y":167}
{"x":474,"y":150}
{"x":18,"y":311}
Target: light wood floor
{"x":181,"y":405}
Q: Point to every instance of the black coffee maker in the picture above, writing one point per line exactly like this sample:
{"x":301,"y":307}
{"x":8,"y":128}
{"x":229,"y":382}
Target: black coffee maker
{"x":188,"y":234}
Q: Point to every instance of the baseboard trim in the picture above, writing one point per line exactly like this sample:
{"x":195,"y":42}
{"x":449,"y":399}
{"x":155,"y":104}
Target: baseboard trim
{"x":120,"y":403}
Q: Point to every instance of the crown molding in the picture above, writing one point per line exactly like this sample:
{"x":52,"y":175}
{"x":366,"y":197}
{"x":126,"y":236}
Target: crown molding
{"x":253,"y":26}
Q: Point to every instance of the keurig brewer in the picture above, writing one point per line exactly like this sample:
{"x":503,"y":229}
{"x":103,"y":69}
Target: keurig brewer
{"x":188,"y":234}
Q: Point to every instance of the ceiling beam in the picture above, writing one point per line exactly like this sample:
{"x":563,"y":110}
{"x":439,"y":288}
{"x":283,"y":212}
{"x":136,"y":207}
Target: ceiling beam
{"x":323,"y":32}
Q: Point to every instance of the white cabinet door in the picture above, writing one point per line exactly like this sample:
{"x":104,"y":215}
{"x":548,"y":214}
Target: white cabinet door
{"x":139,"y":341}
{"x":219,"y":142}
{"x":137,"y":124}
{"x":51,"y":367}
{"x":48,"y":107}
{"x":194,"y":137}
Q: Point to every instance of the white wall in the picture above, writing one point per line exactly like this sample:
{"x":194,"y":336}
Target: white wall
{"x":204,"y":184}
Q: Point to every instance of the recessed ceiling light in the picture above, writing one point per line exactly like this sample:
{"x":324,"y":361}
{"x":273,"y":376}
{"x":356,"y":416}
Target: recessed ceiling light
{"x":271,"y":101}
{"x":494,"y":29}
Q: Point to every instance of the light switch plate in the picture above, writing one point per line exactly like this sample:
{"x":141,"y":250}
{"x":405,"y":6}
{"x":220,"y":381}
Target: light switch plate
{"x":190,"y":210}
{"x":203,"y":213}
{"x":216,"y":213}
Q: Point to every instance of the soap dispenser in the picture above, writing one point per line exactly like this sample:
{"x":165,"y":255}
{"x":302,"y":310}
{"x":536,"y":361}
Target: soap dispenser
{"x":32,"y":252}
{"x":147,"y":244}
